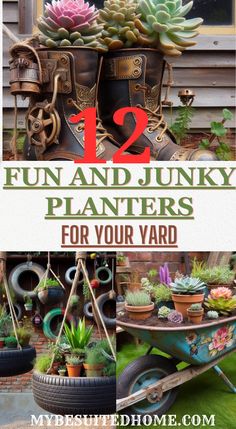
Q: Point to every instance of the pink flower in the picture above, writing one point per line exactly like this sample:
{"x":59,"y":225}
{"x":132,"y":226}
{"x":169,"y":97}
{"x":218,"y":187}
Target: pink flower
{"x":223,"y":338}
{"x":221,"y":292}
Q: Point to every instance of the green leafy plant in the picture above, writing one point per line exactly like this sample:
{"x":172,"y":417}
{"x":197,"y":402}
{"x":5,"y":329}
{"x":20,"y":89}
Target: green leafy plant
{"x":94,"y":355}
{"x":28,"y":300}
{"x":163,"y":25}
{"x":187,"y":286}
{"x":78,"y":337}
{"x":56,"y":351}
{"x":221,"y":274}
{"x":43,"y":285}
{"x":163,"y":312}
{"x":24,"y":336}
{"x":86,"y":291}
{"x":10,"y":342}
{"x":139,"y":298}
{"x":182,"y":122}
{"x":162,"y":293}
{"x":43,"y":363}
{"x":212,"y":314}
{"x":221,"y":305}
{"x":219,"y":133}
{"x":5,"y":322}
{"x":110,"y":370}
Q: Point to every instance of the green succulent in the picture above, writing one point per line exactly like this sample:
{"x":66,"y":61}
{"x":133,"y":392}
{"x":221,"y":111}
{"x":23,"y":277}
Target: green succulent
{"x":118,"y":17}
{"x":212,"y":314}
{"x":165,"y":27}
{"x":187,"y":286}
{"x":195,"y":307}
{"x":221,"y":305}
{"x":162,"y":293}
{"x":164,"y":312}
{"x":221,"y":274}
{"x":138,"y":298}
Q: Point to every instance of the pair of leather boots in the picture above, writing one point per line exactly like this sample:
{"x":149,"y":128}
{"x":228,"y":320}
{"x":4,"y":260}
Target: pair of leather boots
{"x":64,"y":82}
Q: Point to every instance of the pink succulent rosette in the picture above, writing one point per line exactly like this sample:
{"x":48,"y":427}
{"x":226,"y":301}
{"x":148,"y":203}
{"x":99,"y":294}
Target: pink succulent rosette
{"x":70,"y":14}
{"x":221,"y":292}
{"x":223,"y":338}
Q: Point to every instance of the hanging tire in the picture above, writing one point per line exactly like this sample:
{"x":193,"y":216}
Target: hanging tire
{"x":70,"y":274}
{"x":103,"y":299}
{"x":48,"y":319}
{"x":14,"y":279}
{"x":16,"y":362}
{"x":141,"y":373}
{"x":18,"y":310}
{"x":75,"y":396}
{"x":104,"y":275}
{"x":88,"y":310}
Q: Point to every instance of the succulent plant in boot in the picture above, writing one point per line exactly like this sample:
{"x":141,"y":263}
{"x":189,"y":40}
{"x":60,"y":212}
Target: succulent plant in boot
{"x":118,"y":17}
{"x":69,"y":23}
{"x":165,"y":27}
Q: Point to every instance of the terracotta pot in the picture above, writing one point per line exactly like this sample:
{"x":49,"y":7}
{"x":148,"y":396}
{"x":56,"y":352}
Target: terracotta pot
{"x":93,"y":370}
{"x":73,"y":370}
{"x":139,"y":313}
{"x":2,"y":342}
{"x":133,"y":287}
{"x":195,"y":316}
{"x":183,"y":302}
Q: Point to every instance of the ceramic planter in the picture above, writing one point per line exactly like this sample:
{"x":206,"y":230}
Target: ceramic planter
{"x":93,"y":370}
{"x":195,"y":316}
{"x":183,"y":302}
{"x":62,"y":372}
{"x":74,"y":370}
{"x":140,"y":312}
{"x":52,"y":295}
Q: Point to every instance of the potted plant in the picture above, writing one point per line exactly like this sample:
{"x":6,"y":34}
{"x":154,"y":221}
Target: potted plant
{"x":138,"y":305}
{"x":163,"y":296}
{"x":43,"y":363}
{"x":121,"y":260}
{"x":11,"y":342}
{"x":195,"y":313}
{"x":73,"y":365}
{"x":28,"y":303}
{"x":215,"y":276}
{"x":58,"y":354}
{"x":221,"y":300}
{"x":187,"y":291}
{"x":24,"y":336}
{"x":94,"y":361}
{"x":50,"y":291}
{"x":62,"y":371}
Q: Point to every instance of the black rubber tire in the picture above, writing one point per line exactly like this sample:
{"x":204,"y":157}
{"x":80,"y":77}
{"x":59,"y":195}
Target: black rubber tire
{"x":14,"y":279}
{"x":75,"y":396}
{"x":88,"y":310}
{"x":101,"y":300}
{"x":16,"y":362}
{"x":69,"y":276}
{"x":132,"y":372}
{"x":18,"y":310}
{"x":108,"y":273}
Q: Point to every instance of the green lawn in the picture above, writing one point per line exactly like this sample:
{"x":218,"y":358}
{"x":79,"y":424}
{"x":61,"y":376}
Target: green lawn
{"x":206,"y":394}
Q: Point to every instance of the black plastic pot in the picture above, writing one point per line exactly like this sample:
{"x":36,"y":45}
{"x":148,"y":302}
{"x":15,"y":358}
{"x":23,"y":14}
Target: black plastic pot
{"x":16,"y":362}
{"x":52,"y":295}
{"x":81,"y":395}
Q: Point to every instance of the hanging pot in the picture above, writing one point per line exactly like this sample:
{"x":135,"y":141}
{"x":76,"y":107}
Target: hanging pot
{"x":15,"y":362}
{"x":28,"y":307}
{"x":52,"y":295}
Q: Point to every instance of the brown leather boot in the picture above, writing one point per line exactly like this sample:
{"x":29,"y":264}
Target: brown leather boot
{"x":60,"y":83}
{"x":133,"y":77}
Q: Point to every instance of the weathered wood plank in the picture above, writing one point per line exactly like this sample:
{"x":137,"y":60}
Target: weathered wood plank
{"x":208,"y":97}
{"x":200,"y":77}
{"x":201,"y":59}
{"x":10,"y":12}
{"x":214,"y":43}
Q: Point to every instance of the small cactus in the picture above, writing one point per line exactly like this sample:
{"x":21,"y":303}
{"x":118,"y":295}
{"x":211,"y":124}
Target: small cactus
{"x":165,"y":27}
{"x":118,"y":18}
{"x":212,"y":315}
{"x":163,"y":312}
{"x":69,"y":22}
{"x":175,"y":317}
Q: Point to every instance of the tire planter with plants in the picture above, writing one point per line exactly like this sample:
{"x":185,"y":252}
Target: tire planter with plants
{"x":102,"y":301}
{"x":52,"y":295}
{"x":16,"y":273}
{"x":70,"y":274}
{"x":75,"y":396}
{"x":104,"y":275}
{"x":18,"y":310}
{"x":16,"y":362}
{"x":48,"y":320}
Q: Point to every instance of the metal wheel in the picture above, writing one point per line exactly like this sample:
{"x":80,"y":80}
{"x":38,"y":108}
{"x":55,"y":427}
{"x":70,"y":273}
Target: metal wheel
{"x":140,"y":374}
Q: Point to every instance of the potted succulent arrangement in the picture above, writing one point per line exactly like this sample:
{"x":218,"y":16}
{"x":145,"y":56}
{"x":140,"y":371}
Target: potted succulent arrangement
{"x":62,"y":371}
{"x":215,"y":276}
{"x":195,"y":313}
{"x":28,"y":303}
{"x":74,"y":364}
{"x":221,"y":300}
{"x":138,"y":305}
{"x":50,"y":291}
{"x":187,"y":291}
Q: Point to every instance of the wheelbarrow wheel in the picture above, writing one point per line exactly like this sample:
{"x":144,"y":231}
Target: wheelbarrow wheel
{"x":140,"y":374}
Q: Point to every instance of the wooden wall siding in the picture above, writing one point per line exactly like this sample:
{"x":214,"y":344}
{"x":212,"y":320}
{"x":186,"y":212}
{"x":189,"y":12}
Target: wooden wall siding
{"x":208,"y":68}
